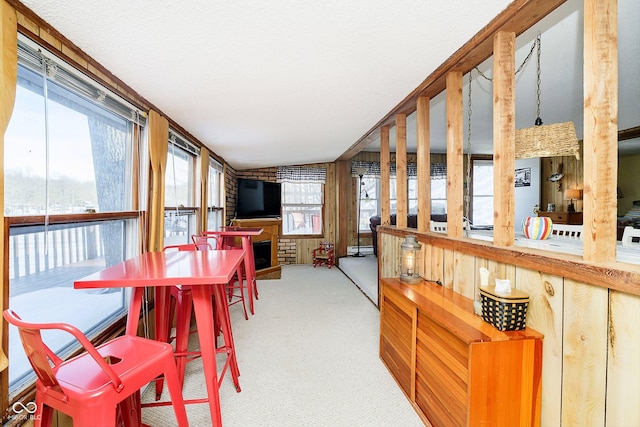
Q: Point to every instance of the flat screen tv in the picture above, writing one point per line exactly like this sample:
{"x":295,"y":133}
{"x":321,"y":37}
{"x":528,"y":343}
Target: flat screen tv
{"x":258,"y":199}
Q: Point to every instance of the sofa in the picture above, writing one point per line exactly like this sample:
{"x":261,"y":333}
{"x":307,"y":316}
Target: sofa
{"x":412,"y":222}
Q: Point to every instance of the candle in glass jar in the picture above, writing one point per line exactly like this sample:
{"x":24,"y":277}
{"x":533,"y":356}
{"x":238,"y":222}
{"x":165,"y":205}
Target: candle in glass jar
{"x":410,"y":263}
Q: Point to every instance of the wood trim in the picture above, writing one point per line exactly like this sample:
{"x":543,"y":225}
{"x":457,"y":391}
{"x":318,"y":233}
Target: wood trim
{"x":519,"y":16}
{"x":504,"y":137}
{"x":343,"y":178}
{"x":423,"y":161}
{"x":630,"y":133}
{"x":17,"y":221}
{"x":600,"y":129}
{"x":8,"y":78}
{"x":385,"y":176}
{"x":617,"y":276}
{"x":455,"y":155}
{"x":401,"y":170}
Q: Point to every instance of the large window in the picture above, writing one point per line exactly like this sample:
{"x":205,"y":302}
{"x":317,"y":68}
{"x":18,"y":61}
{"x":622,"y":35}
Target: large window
{"x":302,"y":199}
{"x":302,"y":208}
{"x":68,"y":160}
{"x":180,"y":217}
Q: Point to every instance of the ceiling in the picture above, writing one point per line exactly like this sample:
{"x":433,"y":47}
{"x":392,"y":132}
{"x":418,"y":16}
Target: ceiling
{"x":293,"y":82}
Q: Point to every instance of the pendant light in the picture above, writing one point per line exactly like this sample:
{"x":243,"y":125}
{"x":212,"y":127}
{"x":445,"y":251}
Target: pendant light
{"x":558,"y":139}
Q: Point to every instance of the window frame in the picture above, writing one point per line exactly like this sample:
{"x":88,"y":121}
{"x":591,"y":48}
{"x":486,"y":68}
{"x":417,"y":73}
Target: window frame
{"x":76,"y":89}
{"x":301,"y":207}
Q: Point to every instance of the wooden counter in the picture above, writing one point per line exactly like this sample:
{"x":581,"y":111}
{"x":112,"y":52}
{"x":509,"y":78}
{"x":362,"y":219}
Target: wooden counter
{"x":456,"y":369}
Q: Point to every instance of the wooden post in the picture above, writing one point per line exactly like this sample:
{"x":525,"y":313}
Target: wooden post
{"x":455,"y":169}
{"x":385,"y":176}
{"x":423,"y":163}
{"x":343,"y":199}
{"x":401,"y":170}
{"x":600,"y":129}
{"x":504,"y":137}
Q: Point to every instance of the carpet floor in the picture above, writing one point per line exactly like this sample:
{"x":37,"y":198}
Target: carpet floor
{"x":363,"y":271}
{"x":308,"y":357}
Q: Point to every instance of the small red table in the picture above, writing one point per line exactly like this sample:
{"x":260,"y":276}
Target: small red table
{"x":199,"y":269}
{"x":245,"y":234}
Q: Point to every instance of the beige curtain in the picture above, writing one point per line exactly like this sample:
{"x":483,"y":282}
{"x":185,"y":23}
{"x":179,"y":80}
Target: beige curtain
{"x":158,"y":150}
{"x":8,"y":81}
{"x":204,"y":188}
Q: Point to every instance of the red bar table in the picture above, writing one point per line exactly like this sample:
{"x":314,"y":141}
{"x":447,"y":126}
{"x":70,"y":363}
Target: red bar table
{"x":245,"y":234}
{"x":199,"y":269}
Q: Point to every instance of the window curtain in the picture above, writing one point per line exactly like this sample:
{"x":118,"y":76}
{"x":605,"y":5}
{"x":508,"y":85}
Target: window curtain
{"x":438,"y":170}
{"x":314,"y":174}
{"x":158,"y":152}
{"x":204,"y":188}
{"x":8,"y":79}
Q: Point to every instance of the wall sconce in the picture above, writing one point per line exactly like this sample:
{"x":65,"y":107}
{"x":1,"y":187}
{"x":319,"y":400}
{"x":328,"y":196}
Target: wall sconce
{"x":570,"y":194}
{"x":410,"y":260}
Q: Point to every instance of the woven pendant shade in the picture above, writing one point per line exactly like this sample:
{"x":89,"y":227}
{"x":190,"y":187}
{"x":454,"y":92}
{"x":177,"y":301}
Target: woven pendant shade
{"x":558,"y":139}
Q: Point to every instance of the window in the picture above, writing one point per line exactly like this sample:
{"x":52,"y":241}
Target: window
{"x":302,"y":204}
{"x":215,"y":197}
{"x":68,"y":150}
{"x":180,"y":217}
{"x":371,"y":182}
{"x":412,"y":195}
{"x":438,"y":196}
{"x":369,"y":201}
{"x":482,"y":192}
{"x":302,"y":199}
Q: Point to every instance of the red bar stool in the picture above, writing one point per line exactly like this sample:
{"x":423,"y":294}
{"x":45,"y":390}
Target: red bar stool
{"x":235,"y":288}
{"x":97,"y":385}
{"x":227,"y":237}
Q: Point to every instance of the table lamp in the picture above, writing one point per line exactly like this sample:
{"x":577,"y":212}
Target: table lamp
{"x":570,"y":194}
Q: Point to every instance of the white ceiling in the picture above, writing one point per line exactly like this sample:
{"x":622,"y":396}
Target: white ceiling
{"x":268,"y":83}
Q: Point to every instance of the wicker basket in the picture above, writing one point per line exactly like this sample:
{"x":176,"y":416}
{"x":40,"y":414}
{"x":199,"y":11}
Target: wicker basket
{"x":505,"y":311}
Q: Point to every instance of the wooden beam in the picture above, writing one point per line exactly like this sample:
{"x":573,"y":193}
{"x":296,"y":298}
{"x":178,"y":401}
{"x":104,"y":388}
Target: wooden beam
{"x":519,"y":16}
{"x":423,"y":163}
{"x":600,"y":129}
{"x":455,"y":155}
{"x":504,"y":137}
{"x":401,"y":171}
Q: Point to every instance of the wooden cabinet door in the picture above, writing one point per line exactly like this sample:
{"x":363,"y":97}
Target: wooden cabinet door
{"x":442,"y":372}
{"x":397,"y":339}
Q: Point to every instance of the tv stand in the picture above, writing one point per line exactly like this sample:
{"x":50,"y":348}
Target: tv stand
{"x":270,"y":233}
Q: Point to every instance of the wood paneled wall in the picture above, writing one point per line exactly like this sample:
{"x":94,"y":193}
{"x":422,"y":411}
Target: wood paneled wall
{"x":591,"y":368}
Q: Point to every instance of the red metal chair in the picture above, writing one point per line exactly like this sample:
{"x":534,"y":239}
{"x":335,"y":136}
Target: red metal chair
{"x":95,"y":385}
